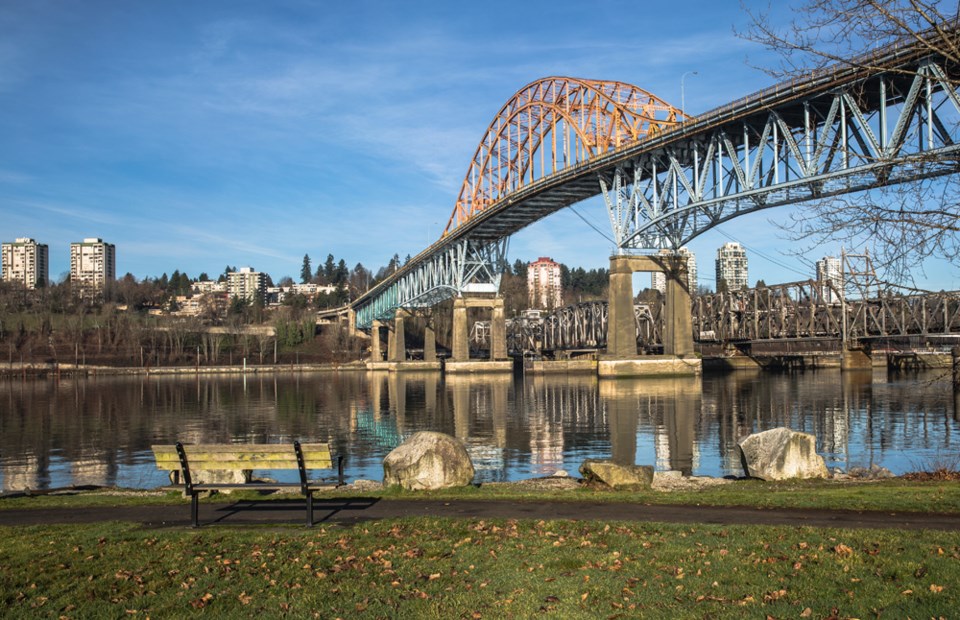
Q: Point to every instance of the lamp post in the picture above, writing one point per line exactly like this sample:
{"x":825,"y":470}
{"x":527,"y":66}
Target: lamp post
{"x":683,"y":107}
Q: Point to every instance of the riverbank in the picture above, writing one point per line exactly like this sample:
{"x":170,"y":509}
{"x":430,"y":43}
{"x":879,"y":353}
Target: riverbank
{"x":16,"y":369}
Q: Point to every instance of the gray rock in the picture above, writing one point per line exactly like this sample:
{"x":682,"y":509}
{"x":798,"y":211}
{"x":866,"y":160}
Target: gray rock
{"x":874,"y":472}
{"x":616,"y":475}
{"x":780,"y":454}
{"x":428,"y":460}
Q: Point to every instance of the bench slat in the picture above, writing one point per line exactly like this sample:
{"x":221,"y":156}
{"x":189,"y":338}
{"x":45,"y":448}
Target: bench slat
{"x":243,"y":456}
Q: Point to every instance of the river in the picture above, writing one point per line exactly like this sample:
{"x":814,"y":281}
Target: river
{"x":98,"y":430}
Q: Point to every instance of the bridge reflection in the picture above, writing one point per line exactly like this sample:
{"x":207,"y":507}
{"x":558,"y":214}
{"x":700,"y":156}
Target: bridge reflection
{"x":99,"y":431}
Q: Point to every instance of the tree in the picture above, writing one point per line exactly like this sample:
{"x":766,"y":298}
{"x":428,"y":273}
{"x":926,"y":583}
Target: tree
{"x":906,"y":223}
{"x":329,"y":269}
{"x":305,"y":272}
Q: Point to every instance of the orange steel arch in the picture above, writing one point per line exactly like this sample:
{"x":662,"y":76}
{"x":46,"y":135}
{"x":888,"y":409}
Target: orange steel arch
{"x":552,"y":124}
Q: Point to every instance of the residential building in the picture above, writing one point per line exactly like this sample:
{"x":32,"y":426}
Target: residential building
{"x":93,"y":263}
{"x":247,"y":284}
{"x":658,"y":280}
{"x":544,"y":287}
{"x":830,"y":270}
{"x":204,"y":287}
{"x":26,"y":261}
{"x":732,"y":266}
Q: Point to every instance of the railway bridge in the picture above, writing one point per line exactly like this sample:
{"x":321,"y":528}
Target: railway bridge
{"x":780,"y":322}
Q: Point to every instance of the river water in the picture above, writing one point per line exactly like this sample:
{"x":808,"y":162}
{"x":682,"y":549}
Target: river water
{"x":98,"y":430}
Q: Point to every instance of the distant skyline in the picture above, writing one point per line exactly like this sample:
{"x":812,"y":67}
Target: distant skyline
{"x":199,"y":135}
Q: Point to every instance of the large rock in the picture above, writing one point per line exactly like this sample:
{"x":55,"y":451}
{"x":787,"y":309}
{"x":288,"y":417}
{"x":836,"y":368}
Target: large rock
{"x":616,"y":475}
{"x":780,"y":453}
{"x":428,"y":460}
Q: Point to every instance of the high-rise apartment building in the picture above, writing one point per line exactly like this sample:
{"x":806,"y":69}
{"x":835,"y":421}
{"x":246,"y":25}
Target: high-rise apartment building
{"x":830,"y":270}
{"x":544,"y":288}
{"x":247,"y":284}
{"x":93,"y":263}
{"x":25,"y":261}
{"x":732,"y":266}
{"x":658,"y":280}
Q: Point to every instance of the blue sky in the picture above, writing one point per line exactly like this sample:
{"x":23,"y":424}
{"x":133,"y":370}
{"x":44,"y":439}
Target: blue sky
{"x":195,"y":135}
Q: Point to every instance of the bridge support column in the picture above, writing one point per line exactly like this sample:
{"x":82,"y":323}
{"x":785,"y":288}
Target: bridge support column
{"x":461,"y":335}
{"x":460,"y":360}
{"x":621,"y":323}
{"x":376,"y":355}
{"x":678,"y":320}
{"x":397,"y":349}
{"x":622,"y":359}
{"x":429,"y":344}
{"x":498,"y":331}
{"x":855,"y":359}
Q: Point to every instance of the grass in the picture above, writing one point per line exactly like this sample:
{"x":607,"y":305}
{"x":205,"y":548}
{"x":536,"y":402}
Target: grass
{"x":897,"y":495}
{"x":449,"y":568}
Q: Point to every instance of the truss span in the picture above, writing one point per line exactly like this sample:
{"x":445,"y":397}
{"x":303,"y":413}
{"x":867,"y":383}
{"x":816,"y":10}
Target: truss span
{"x":553,"y":124}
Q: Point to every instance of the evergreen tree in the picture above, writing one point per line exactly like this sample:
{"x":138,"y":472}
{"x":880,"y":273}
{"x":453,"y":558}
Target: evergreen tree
{"x":305,"y":272}
{"x":342,"y":273}
{"x":329,"y":269}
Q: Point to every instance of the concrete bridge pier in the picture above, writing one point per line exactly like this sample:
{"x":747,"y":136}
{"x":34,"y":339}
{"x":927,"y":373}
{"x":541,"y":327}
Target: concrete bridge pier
{"x":397,"y":347}
{"x":397,"y":342}
{"x":621,"y":359}
{"x":376,"y":354}
{"x":460,"y":360}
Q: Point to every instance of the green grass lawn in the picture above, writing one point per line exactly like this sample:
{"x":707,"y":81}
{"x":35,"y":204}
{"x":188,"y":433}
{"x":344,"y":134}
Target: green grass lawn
{"x":453,"y":568}
{"x":888,"y":495}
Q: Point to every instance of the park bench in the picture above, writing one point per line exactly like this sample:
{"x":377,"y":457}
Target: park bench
{"x":187,"y":460}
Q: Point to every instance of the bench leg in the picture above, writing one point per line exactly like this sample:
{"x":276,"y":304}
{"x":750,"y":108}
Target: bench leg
{"x":309,"y":509}
{"x":194,"y":510}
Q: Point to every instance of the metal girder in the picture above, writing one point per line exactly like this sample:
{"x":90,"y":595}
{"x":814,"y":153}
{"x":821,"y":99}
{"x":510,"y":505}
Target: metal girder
{"x":470,"y":265}
{"x":824,"y":144}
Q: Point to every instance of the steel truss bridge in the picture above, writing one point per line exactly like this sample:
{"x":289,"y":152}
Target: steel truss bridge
{"x":886,"y":118}
{"x":771,"y":315}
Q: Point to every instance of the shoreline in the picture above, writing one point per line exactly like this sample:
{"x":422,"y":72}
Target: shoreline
{"x":41,"y":370}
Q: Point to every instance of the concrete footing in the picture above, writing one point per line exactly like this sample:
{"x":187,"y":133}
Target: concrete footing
{"x":560,"y":367}
{"x":404,"y":366}
{"x":478,"y":367}
{"x":650,"y":366}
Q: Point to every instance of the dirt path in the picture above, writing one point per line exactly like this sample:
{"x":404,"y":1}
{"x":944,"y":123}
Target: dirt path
{"x":349,"y":511}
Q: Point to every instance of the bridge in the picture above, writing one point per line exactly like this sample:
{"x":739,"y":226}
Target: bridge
{"x":783,"y":320}
{"x":881,"y":119}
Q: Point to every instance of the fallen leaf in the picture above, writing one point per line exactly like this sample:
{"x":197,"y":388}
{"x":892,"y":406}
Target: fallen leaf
{"x":843,"y":551}
{"x":806,"y":613}
{"x":935,"y":588}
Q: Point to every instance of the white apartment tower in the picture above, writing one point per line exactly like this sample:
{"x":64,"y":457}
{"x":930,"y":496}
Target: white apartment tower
{"x":543,"y":284}
{"x":93,"y":263}
{"x":26,"y":261}
{"x":658,"y":280}
{"x":830,"y":269}
{"x":247,"y":284}
{"x":732,"y":266}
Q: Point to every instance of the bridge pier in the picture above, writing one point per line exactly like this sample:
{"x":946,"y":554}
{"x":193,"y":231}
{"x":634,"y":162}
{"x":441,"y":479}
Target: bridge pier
{"x":621,"y":359}
{"x":460,"y":358}
{"x":376,"y":354}
{"x":397,"y":342}
{"x":397,"y":347}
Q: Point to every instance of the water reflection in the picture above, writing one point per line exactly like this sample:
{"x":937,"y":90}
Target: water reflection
{"x":99,"y":430}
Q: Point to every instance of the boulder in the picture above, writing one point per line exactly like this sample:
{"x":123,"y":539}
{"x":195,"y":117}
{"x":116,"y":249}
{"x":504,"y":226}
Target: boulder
{"x":616,"y":475}
{"x":428,"y":460}
{"x":781,"y":453}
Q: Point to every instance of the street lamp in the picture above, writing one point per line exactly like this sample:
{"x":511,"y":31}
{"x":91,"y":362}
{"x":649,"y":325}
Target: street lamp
{"x":683,"y":107}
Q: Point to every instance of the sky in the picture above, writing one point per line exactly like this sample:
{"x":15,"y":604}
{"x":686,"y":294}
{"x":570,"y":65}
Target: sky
{"x":197,"y":135}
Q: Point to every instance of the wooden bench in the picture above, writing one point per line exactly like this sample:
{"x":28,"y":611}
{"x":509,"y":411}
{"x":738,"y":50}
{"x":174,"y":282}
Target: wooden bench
{"x":187,"y":460}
